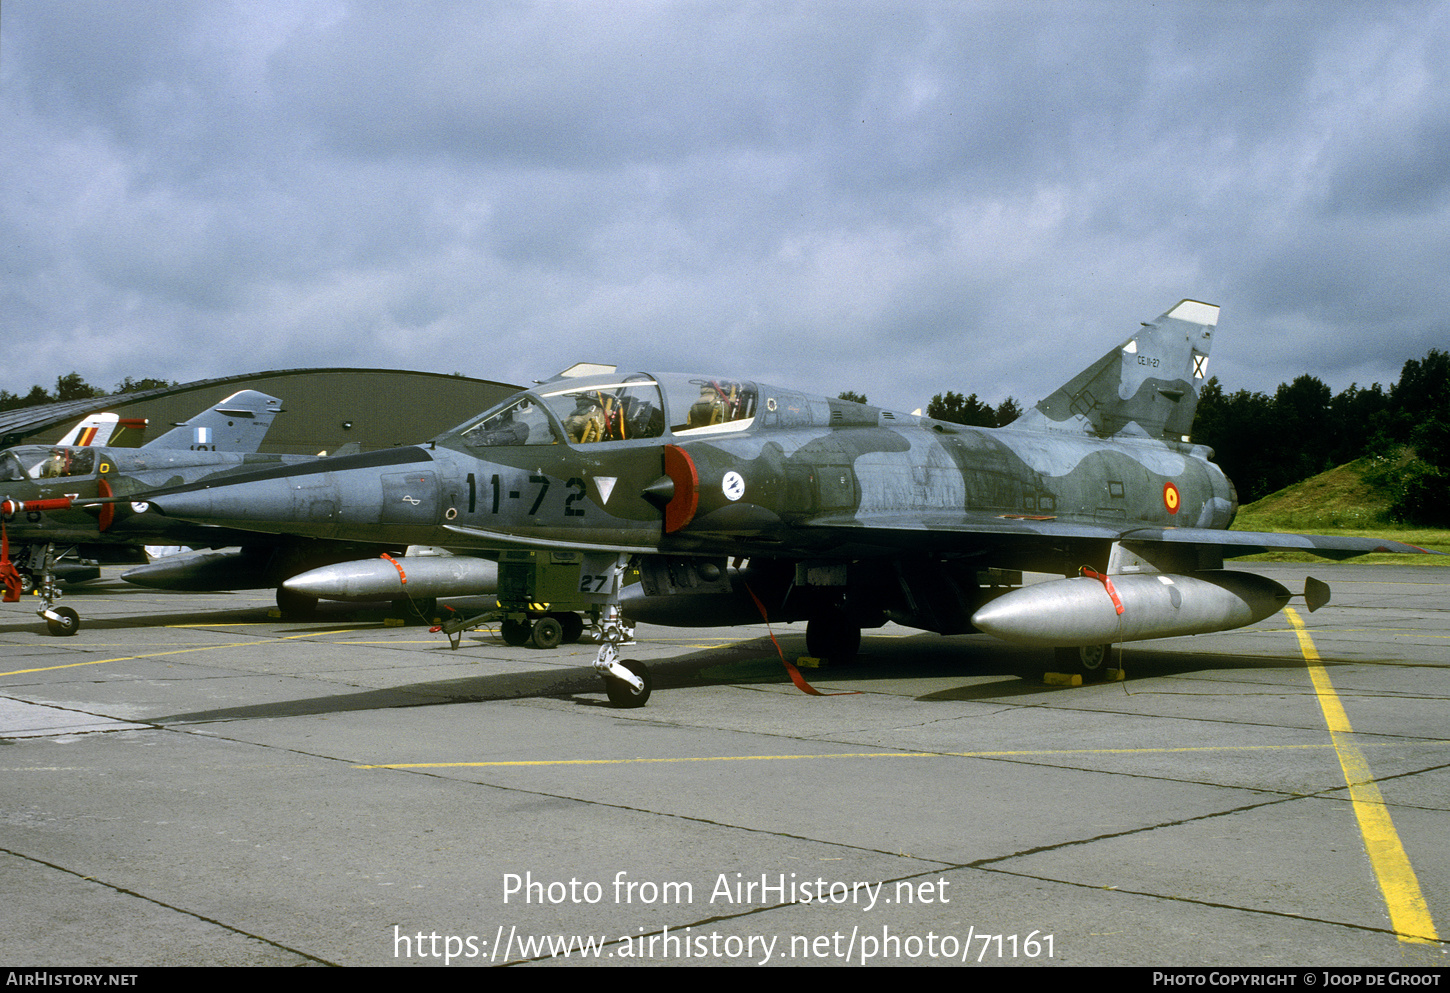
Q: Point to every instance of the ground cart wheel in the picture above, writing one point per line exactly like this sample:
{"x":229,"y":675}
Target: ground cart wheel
{"x":515,"y":633}
{"x":548,"y":633}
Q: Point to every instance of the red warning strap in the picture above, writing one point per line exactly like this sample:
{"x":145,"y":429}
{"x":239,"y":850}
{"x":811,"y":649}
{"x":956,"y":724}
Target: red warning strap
{"x":1107,"y":585}
{"x":399,"y":566}
{"x":795,"y":674}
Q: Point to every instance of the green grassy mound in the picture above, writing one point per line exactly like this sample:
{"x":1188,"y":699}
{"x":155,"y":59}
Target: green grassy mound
{"x":1339,"y":501}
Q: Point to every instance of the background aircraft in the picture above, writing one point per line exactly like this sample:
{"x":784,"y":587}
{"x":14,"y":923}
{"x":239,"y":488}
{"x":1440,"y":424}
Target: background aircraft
{"x":51,"y":519}
{"x":848,"y":515}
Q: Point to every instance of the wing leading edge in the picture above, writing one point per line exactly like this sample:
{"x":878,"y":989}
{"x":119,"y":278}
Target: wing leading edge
{"x":968,"y":532}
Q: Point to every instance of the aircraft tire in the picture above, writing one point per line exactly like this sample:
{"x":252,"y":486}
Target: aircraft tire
{"x":573,"y":626}
{"x":621,"y":694}
{"x":69,"y":623}
{"x":27,"y":582}
{"x":1090,"y":661}
{"x":833,"y":637}
{"x":295,"y":606}
{"x":424,"y":609}
{"x":515,"y":633}
{"x":548,"y":632}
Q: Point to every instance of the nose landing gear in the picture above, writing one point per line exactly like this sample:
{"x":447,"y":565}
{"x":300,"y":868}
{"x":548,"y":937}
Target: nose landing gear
{"x":626,"y":682}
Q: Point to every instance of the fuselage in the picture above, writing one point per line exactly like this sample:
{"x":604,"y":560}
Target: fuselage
{"x":710,"y":465}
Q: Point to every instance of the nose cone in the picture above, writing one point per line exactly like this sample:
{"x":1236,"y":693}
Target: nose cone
{"x":302,"y":505}
{"x":321,"y":499}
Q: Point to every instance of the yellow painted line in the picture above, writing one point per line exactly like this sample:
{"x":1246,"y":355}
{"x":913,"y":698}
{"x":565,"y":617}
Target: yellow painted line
{"x":174,"y":651}
{"x":124,"y":658}
{"x":1409,"y":914}
{"x":228,"y":624}
{"x":398,"y":641}
{"x":1030,"y":753}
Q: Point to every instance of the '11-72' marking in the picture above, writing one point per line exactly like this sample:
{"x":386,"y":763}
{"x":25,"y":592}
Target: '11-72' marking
{"x":575,"y":487}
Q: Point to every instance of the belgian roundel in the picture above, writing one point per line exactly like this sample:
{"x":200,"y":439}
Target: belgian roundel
{"x":1171,"y":498}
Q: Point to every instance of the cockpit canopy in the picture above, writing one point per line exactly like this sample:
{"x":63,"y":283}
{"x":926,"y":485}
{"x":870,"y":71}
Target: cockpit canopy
{"x":46,"y":462}
{"x":615,"y":408}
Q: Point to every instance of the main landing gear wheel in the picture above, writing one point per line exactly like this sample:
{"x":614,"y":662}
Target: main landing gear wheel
{"x":295,"y":606}
{"x":621,"y":694}
{"x":424,"y":609}
{"x":833,"y":637}
{"x":66,"y":622}
{"x":1090,"y":661}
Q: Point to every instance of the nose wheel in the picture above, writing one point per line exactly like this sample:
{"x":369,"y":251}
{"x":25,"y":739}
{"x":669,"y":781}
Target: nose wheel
{"x":622,"y":692}
{"x":61,"y":621}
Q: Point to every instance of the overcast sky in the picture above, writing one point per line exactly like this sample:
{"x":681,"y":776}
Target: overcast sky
{"x":898,"y":198}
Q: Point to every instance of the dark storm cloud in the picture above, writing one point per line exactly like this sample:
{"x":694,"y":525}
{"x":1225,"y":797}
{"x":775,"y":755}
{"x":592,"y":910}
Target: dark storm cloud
{"x":899,"y":198}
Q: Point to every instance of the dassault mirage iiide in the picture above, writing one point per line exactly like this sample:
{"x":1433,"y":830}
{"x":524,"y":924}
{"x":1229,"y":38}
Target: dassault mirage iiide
{"x":61,"y":500}
{"x":848,"y":515}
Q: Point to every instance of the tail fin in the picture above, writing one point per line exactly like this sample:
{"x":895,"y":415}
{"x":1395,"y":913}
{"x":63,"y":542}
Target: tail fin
{"x":106,"y":430}
{"x":1146,"y":388}
{"x":237,"y":424}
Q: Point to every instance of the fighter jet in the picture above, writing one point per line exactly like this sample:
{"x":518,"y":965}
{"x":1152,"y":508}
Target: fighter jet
{"x":843,"y":515}
{"x":59,"y":501}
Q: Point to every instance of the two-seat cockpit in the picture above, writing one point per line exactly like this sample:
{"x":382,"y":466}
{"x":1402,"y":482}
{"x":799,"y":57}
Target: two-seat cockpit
{"x":37,"y":462}
{"x":615,"y":409}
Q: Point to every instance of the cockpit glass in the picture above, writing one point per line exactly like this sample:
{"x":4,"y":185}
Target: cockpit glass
{"x":698,"y":403}
{"x":608,"y":409}
{"x":614,"y":410}
{"x":46,"y":462}
{"x":521,"y":421}
{"x":623,"y":411}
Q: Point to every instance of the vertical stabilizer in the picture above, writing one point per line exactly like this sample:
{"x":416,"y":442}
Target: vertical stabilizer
{"x":94,"y":430}
{"x":1146,"y":388}
{"x":237,"y":424}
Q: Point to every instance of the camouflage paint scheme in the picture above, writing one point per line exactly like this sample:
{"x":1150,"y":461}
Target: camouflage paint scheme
{"x":848,"y":514}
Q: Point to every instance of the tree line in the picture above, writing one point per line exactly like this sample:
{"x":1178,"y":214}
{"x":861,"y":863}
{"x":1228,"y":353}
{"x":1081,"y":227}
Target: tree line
{"x":1265,"y":443}
{"x":72,"y":387}
{"x":960,"y":409}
